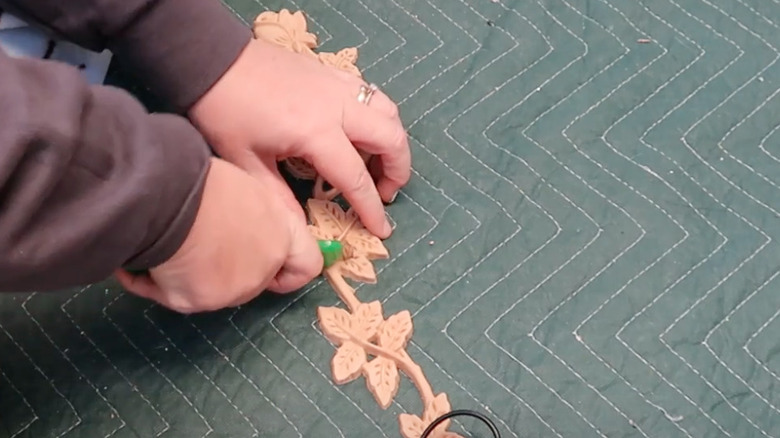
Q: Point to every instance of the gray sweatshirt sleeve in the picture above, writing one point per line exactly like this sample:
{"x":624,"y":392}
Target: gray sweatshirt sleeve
{"x":179,"y":48}
{"x":89,"y":181}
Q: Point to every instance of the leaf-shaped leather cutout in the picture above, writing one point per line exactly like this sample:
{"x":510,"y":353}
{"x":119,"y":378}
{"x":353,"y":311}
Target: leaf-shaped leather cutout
{"x":273,"y":33}
{"x":349,"y":252}
{"x":343,"y":60}
{"x":366,"y":320}
{"x":365,"y":243}
{"x":300,"y":168}
{"x":289,"y":30}
{"x":319,"y":233}
{"x":335,"y":324}
{"x":349,"y":68}
{"x":294,"y":24}
{"x":396,"y":331}
{"x":349,"y":54}
{"x":382,"y":379}
{"x":411,"y":426}
{"x":347,"y":363}
{"x":438,"y":407}
{"x":358,"y":269}
{"x":293,"y":21}
{"x":327,"y":216}
{"x":267,"y":16}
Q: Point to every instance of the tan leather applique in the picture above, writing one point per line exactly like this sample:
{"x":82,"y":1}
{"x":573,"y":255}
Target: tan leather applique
{"x":367,"y":344}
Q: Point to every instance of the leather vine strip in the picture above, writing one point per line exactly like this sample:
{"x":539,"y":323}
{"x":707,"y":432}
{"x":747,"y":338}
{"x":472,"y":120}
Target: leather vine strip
{"x":368,"y":344}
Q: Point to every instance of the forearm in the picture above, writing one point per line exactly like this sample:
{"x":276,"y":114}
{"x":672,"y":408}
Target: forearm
{"x":179,"y":48}
{"x":89,"y":182}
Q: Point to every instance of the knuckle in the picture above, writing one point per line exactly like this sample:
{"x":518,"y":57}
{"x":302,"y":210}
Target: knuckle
{"x":399,"y":139}
{"x":276,"y":260}
{"x":387,"y":105}
{"x":392,"y":110}
{"x":404,"y":177}
{"x":314,"y":270}
{"x":308,"y":274}
{"x":362,"y":181}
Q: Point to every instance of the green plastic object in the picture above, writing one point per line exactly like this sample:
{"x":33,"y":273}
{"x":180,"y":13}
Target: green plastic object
{"x":331,"y":251}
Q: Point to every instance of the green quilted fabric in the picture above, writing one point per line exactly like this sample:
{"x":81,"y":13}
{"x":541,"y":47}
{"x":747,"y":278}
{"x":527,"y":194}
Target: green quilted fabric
{"x":588,"y":246}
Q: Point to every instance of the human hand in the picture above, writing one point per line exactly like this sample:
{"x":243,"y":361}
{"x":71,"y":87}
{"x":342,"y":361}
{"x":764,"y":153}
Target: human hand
{"x":274,"y":104}
{"x":244,"y":240}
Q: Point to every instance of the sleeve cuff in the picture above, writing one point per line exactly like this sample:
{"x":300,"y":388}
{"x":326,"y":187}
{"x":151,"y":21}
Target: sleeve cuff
{"x":181,"y":48}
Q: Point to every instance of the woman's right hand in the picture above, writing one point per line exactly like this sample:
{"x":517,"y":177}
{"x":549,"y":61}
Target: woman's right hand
{"x":245,"y":239}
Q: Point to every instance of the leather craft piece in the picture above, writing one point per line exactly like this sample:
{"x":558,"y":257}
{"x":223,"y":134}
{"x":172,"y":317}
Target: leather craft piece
{"x":289,"y":30}
{"x":367,"y":343}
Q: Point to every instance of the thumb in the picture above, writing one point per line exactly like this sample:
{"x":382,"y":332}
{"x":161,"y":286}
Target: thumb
{"x":304,"y":260}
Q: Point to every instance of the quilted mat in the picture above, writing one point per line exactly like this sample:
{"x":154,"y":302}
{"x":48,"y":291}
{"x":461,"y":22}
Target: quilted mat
{"x":588,"y":246}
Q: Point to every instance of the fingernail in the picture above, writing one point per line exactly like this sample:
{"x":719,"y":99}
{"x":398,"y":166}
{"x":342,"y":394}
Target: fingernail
{"x":392,"y":198}
{"x":388,"y":229}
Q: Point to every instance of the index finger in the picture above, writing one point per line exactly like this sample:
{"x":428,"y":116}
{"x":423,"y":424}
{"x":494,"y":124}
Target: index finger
{"x":379,"y":134}
{"x":345,"y":170}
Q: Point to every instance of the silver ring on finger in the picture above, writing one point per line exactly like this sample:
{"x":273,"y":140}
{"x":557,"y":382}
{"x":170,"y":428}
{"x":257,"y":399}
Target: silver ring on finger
{"x":366,"y":91}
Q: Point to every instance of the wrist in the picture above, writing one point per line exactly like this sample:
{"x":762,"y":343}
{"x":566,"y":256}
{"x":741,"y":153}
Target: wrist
{"x":219,"y":113}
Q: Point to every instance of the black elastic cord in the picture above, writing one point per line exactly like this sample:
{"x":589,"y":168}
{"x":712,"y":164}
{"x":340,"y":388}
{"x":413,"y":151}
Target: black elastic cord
{"x":462,"y":413}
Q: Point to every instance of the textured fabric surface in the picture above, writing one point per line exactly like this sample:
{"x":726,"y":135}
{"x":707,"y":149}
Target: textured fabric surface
{"x":588,"y":245}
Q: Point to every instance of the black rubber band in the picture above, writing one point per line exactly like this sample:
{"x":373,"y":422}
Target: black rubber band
{"x":462,"y":413}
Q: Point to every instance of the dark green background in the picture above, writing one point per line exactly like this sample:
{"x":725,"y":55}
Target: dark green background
{"x":604,"y":219}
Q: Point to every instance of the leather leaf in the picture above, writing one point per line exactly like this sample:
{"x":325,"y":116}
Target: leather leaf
{"x":335,"y":324}
{"x":360,"y":241}
{"x":438,"y":407}
{"x":300,"y":168}
{"x":348,"y":362}
{"x":367,"y":319}
{"x":344,"y":60}
{"x":396,"y":331}
{"x":382,"y":379}
{"x":319,"y":233}
{"x":349,"y":54}
{"x":358,"y":269}
{"x":327,"y":215}
{"x":294,"y":21}
{"x":294,"y":25}
{"x":366,"y":244}
{"x":435,"y":409}
{"x":273,"y":33}
{"x":411,"y":426}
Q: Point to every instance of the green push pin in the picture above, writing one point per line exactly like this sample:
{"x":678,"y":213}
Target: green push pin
{"x":332,"y":251}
